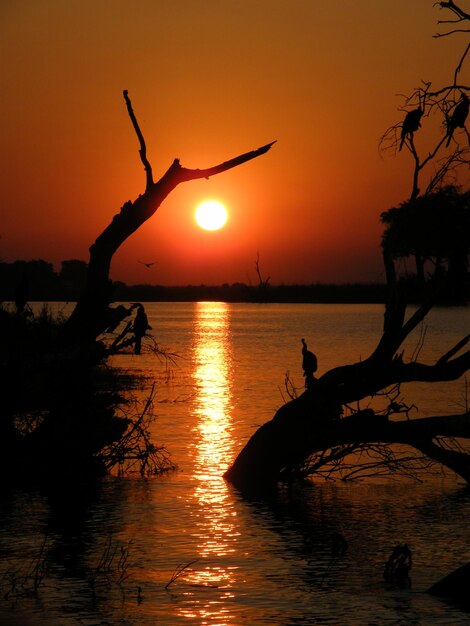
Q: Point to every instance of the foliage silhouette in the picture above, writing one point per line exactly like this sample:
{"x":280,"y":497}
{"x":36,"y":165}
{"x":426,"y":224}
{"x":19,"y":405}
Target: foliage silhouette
{"x":435,"y":230}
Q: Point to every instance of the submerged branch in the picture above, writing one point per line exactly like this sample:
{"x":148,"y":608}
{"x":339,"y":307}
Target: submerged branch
{"x":135,"y":450}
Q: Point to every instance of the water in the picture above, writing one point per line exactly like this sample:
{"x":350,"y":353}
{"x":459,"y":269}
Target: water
{"x":256,"y":562}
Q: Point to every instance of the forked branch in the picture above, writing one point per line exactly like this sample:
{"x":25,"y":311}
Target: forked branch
{"x":456,"y":9}
{"x":90,"y":316}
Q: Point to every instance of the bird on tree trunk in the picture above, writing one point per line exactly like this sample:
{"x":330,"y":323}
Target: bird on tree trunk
{"x":140,"y":326}
{"x":411,"y":123}
{"x":309,"y":365}
{"x":458,"y":117}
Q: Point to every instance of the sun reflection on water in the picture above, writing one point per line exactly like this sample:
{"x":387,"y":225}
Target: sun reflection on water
{"x":212,"y":373}
{"x":214,"y":525}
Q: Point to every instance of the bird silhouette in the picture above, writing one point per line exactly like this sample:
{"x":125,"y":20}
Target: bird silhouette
{"x":148,"y":264}
{"x":411,"y":123}
{"x":140,"y":326}
{"x":309,"y":364}
{"x":458,"y":117}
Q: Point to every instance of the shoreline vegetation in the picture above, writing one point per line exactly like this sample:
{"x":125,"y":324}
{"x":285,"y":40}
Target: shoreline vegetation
{"x":67,"y":415}
{"x":320,"y":293}
{"x":45,"y":285}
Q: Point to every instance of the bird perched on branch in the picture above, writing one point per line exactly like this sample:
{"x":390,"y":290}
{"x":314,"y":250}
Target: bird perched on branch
{"x":309,"y":364}
{"x":411,"y":123}
{"x":140,"y":326}
{"x":458,"y":117}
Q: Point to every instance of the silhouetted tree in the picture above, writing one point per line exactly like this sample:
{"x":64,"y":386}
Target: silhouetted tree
{"x":42,"y":282}
{"x":73,"y":276}
{"x":90,"y":317}
{"x":58,"y":415}
{"x":434,"y":229}
{"x":316,"y":432}
{"x":259,"y":293}
{"x":443,"y":109}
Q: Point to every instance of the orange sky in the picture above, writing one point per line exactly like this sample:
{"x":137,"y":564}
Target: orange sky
{"x":209,"y":80}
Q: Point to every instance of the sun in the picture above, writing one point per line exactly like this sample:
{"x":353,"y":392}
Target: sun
{"x":211,"y":215}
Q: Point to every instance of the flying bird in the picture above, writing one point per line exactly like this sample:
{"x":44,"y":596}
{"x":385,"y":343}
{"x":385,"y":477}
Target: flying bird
{"x":458,"y":117}
{"x":148,"y":264}
{"x":411,"y":123}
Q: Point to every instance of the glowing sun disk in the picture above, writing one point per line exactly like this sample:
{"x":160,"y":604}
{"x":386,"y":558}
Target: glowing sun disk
{"x":211,"y":215}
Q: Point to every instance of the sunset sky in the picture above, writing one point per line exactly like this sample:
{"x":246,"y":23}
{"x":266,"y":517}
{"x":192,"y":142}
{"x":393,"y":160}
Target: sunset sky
{"x":210,"y":79}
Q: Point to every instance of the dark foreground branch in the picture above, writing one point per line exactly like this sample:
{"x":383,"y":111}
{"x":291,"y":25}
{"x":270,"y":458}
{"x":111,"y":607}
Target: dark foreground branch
{"x":189,"y":174}
{"x":304,"y":427}
{"x":351,"y":383}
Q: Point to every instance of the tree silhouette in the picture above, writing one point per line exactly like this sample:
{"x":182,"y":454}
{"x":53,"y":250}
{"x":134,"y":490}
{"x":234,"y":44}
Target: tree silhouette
{"x":259,"y":293}
{"x":91,"y":314}
{"x":62,"y":415}
{"x":73,"y":276}
{"x":435,"y":230}
{"x":442,"y":110}
{"x":316,"y":432}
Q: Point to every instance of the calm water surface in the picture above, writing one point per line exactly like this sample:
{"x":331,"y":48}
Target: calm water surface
{"x":261,"y":562}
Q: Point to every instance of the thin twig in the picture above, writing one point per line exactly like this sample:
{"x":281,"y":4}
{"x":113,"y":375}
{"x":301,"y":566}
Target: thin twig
{"x":180,"y":569}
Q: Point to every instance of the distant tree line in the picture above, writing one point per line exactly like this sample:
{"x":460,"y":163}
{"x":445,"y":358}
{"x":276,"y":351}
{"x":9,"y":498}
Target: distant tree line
{"x":40,"y":281}
{"x":241,"y":292}
{"x":45,"y":284}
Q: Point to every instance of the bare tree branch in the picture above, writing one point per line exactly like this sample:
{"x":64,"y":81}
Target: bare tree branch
{"x":441,"y":101}
{"x":188,"y":174}
{"x":458,"y":346}
{"x":452,"y":6}
{"x":461,"y":62}
{"x":90,"y":315}
{"x":140,"y":137}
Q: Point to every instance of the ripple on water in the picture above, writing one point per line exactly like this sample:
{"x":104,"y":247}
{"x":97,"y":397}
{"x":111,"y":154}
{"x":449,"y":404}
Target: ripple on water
{"x":262,"y":562}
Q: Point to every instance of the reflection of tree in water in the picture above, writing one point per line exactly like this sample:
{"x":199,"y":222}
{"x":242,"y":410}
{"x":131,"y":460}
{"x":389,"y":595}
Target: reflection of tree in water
{"x":72,"y":551}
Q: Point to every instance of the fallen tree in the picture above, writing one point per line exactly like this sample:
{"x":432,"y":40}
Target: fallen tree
{"x":317,"y":432}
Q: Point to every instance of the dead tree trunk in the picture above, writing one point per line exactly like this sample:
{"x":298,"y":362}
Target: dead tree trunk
{"x":90,"y":318}
{"x":310,"y":424}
